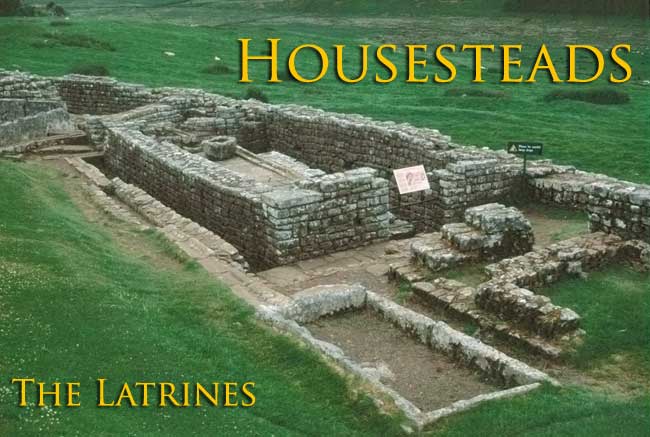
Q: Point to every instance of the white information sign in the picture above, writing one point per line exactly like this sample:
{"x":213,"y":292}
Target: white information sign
{"x":411,"y":179}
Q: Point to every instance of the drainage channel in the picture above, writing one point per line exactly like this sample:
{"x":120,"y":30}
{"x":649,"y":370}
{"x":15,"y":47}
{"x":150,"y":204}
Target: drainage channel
{"x":426,"y":377}
{"x":426,"y":367}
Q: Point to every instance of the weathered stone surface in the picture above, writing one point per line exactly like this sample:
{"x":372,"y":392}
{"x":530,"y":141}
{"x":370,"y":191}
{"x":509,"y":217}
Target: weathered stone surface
{"x":526,"y":308}
{"x":613,"y":206}
{"x":219,"y":148}
{"x":316,"y":302}
{"x":22,"y":120}
{"x":572,"y":256}
{"x":491,"y":231}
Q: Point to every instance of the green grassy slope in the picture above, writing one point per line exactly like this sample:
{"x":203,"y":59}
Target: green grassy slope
{"x":611,"y":139}
{"x":74,"y":307}
{"x":553,"y":412}
{"x":615,"y":306}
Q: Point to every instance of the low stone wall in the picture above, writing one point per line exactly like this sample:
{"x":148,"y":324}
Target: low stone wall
{"x":95,"y":95}
{"x":22,"y":120}
{"x":270,"y":226}
{"x":569,"y":257}
{"x":527,"y":309}
{"x":614,"y":206}
{"x":18,"y":85}
{"x":309,"y":305}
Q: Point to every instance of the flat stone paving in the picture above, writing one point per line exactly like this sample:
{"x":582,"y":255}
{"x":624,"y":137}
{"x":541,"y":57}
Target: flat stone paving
{"x":367,"y":265}
{"x":252,"y":170}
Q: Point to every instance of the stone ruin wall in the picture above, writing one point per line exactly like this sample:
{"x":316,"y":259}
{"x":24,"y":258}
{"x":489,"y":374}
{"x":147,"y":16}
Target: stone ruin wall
{"x":460,"y":177}
{"x":614,"y":206}
{"x":30,"y":107}
{"x":17,"y":85}
{"x":100,"y":96}
{"x":269,"y":226}
{"x":24,"y":120}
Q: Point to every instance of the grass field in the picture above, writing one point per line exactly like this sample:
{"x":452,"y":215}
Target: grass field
{"x":611,"y":139}
{"x":79,"y":300}
{"x":615,"y":305}
{"x":75,"y":305}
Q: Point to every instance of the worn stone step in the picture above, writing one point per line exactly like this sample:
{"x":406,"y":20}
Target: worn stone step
{"x":405,"y":272}
{"x":69,"y":138}
{"x":401,"y":229}
{"x":458,"y":300}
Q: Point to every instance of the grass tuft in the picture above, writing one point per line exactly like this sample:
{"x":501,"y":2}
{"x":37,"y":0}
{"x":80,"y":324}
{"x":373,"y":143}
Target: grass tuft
{"x":601,"y":96}
{"x":256,"y":93}
{"x":404,"y":292}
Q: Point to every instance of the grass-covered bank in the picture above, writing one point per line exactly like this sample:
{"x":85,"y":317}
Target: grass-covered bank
{"x":575,"y":128}
{"x":551,"y":412}
{"x":75,"y":305}
{"x":615,"y":307}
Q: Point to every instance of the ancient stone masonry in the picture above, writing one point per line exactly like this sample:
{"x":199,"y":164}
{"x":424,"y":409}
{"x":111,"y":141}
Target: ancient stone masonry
{"x":29,"y":108}
{"x":22,"y":120}
{"x":241,"y":186}
{"x":468,"y":183}
{"x":505,"y":304}
{"x":569,"y":257}
{"x":614,"y":206}
{"x":490,"y":231}
{"x":17,"y":85}
{"x":92,"y":95}
{"x":269,"y":225}
{"x":535,"y":312}
{"x":271,"y":135}
{"x":511,"y":376}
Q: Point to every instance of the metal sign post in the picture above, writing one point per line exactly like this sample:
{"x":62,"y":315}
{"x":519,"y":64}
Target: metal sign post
{"x":525,"y":148}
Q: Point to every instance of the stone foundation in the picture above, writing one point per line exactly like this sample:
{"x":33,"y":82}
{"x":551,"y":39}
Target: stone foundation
{"x":22,"y":120}
{"x":269,"y":225}
{"x":614,"y":206}
{"x":460,"y":177}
